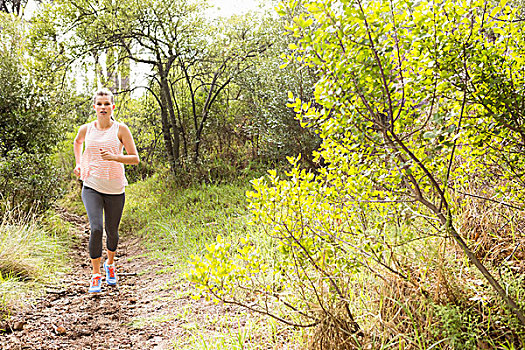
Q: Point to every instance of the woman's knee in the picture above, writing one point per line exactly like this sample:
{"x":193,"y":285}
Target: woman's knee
{"x":112,"y":240}
{"x":96,"y":231}
{"x":95,"y":244}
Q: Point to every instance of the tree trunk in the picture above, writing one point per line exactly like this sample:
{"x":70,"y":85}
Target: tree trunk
{"x":198,"y":137}
{"x":479,"y":265}
{"x":173,"y":119}
{"x":166,"y":130}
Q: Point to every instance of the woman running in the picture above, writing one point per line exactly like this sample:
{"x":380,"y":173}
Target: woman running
{"x":101,"y":168}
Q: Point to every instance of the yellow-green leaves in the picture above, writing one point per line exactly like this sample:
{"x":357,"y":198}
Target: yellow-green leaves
{"x":222,"y":267}
{"x":409,"y":98}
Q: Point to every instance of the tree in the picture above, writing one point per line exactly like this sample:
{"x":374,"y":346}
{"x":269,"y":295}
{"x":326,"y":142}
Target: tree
{"x":12,"y":6}
{"x":414,"y":100}
{"x":405,"y":91}
{"x":142,"y":116}
{"x":170,"y":37}
{"x":230,"y":52}
{"x":32,"y":107}
{"x":269,"y":124}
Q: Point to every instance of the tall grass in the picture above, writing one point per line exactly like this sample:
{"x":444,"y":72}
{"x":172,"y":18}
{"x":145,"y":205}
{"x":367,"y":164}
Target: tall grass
{"x":31,"y":251}
{"x":177,"y":222}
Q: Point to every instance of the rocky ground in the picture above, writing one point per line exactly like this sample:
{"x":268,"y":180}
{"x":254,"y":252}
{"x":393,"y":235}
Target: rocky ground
{"x":151,"y":308}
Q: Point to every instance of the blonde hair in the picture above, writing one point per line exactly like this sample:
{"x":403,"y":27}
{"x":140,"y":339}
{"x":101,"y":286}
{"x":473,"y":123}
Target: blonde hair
{"x":104,"y":92}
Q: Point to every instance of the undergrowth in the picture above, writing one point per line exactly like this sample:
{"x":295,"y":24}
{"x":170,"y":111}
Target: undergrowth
{"x":406,"y":284}
{"x":443,"y":304}
{"x":176,"y":223}
{"x":32,"y":250}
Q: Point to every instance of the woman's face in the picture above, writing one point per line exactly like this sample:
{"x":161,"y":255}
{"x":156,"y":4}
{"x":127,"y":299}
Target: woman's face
{"x":103,"y":106}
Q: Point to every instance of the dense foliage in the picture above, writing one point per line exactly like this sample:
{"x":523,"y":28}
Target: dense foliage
{"x":31,"y":119}
{"x":418,"y":107}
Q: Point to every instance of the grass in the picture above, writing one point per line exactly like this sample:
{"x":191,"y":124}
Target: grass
{"x":150,"y":321}
{"x":31,"y":252}
{"x":237,"y":332}
{"x":176,"y":223}
{"x":72,"y":199}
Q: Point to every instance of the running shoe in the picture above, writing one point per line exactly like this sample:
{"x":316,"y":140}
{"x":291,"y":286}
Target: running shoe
{"x":96,"y":284}
{"x":111,"y":274}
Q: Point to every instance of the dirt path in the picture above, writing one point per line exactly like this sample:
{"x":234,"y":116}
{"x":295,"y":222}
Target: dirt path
{"x":147,"y":310}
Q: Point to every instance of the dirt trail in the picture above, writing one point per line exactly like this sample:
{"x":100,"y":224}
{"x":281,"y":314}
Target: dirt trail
{"x":147,"y":310}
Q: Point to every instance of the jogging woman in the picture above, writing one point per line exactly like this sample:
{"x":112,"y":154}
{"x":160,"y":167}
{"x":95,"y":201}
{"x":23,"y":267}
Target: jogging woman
{"x":101,"y":168}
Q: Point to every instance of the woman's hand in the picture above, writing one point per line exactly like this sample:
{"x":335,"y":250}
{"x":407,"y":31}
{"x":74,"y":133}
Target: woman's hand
{"x":77,"y":170}
{"x":107,"y":155}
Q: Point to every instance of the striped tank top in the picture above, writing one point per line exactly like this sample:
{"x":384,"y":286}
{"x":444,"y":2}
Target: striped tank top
{"x":105,"y":176}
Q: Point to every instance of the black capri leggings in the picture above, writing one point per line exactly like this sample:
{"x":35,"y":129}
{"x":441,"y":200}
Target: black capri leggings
{"x":111,"y":205}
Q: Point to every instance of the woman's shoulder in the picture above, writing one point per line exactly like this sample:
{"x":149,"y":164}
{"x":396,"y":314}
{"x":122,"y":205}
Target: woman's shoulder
{"x":88,"y":124}
{"x":84,"y":127}
{"x":122,"y":126}
{"x":123,"y":131}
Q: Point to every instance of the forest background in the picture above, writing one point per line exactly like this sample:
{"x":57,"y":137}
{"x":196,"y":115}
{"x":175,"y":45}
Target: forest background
{"x":380,"y":144}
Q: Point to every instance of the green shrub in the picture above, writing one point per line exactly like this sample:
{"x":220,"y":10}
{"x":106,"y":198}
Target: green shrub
{"x":28,"y":181}
{"x":410,"y":109}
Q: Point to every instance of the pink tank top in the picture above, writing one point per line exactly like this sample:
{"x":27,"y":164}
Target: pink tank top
{"x":95,"y":170}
